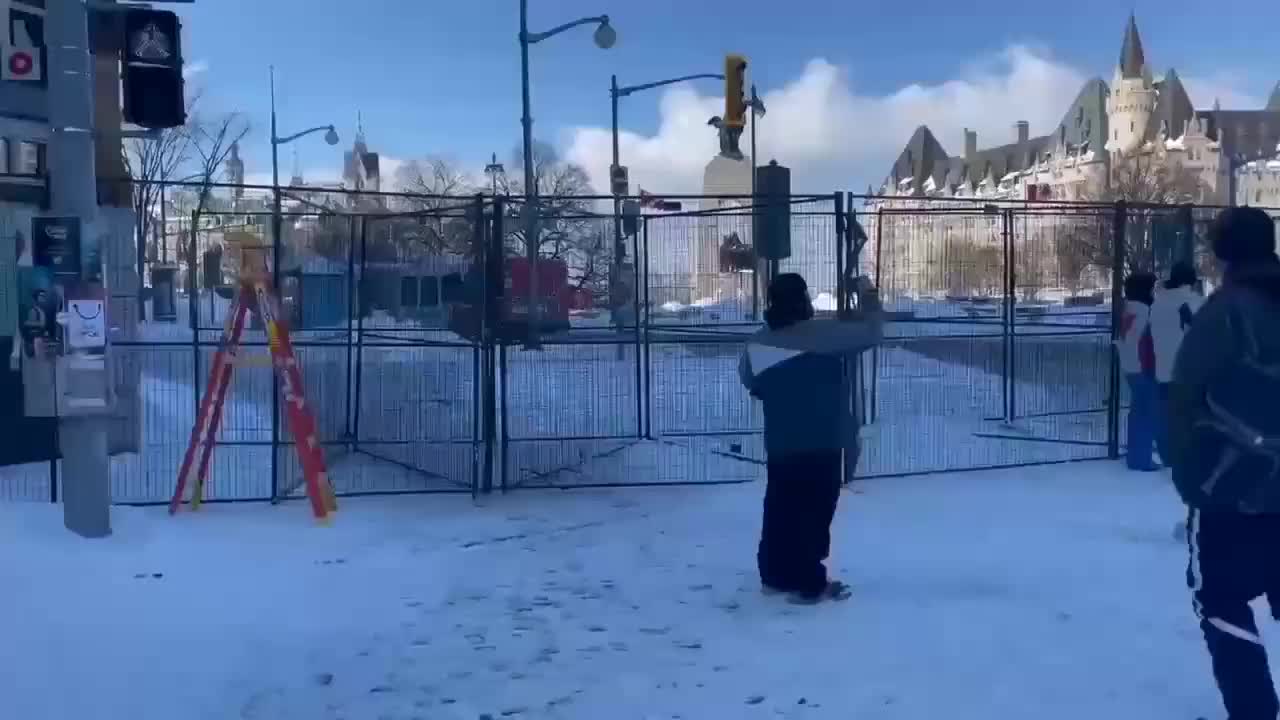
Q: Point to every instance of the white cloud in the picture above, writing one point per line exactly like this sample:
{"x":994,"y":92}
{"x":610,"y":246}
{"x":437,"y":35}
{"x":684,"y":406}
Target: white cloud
{"x":835,"y":137}
{"x":194,"y":69}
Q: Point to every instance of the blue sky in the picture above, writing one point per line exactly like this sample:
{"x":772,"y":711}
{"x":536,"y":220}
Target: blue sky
{"x":441,"y":77}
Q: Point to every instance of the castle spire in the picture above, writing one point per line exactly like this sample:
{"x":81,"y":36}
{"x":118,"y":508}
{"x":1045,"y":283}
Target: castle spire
{"x":1132,"y":60}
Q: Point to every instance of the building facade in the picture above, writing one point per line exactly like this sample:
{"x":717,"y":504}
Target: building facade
{"x":1138,"y":137}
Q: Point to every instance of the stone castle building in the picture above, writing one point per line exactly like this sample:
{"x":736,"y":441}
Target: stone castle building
{"x":1138,"y":120}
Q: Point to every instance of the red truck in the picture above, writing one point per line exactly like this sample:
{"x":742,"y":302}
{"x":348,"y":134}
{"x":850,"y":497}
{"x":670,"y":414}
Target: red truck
{"x":554,"y":294}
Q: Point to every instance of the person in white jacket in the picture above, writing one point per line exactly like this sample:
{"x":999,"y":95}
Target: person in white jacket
{"x":1172,"y":310}
{"x":1134,"y":346}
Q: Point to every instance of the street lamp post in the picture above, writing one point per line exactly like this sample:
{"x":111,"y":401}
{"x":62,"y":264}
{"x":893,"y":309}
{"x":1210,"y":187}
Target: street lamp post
{"x":493,"y":170}
{"x":757,"y":111}
{"x":605,"y":37}
{"x":615,"y":92}
{"x":330,"y":137}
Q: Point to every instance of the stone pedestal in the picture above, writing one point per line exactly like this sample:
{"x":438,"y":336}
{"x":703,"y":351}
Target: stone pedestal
{"x":723,"y":176}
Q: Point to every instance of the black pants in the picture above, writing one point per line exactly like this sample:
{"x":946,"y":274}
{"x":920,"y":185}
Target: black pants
{"x":795,"y":536}
{"x":1235,"y":559}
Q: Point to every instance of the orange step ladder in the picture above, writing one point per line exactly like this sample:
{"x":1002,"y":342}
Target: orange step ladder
{"x":254,"y":295}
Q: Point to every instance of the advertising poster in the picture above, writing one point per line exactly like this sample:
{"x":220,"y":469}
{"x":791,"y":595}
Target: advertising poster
{"x":26,"y":292}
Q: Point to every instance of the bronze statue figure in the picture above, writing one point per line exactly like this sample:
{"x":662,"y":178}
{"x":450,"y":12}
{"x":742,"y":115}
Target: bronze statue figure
{"x":728,"y":139}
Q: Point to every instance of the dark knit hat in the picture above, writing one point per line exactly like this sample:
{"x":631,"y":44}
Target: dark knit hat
{"x":1243,"y":235}
{"x":1182,"y":274}
{"x":788,"y":301}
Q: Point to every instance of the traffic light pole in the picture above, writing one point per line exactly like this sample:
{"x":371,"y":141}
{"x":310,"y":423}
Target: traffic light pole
{"x":619,"y":247}
{"x":619,"y":242}
{"x":82,"y":439}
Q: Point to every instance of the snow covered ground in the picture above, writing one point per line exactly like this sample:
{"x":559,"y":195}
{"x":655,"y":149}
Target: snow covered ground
{"x":1052,"y":592}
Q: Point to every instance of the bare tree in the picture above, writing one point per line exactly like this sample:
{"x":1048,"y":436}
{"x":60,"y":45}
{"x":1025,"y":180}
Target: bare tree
{"x":569,"y":229}
{"x":1151,"y":185}
{"x":974,"y":267}
{"x":441,"y":194}
{"x":153,"y":161}
{"x":211,"y":141}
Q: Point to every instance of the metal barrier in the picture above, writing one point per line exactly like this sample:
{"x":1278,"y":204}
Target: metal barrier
{"x":409,"y":318}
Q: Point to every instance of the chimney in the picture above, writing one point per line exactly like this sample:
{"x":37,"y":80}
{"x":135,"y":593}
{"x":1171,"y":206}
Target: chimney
{"x":970,"y":143}
{"x":1023,"y":128}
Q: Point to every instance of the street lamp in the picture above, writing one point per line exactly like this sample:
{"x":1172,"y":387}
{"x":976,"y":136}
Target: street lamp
{"x":493,"y":170}
{"x":330,"y":137}
{"x":605,"y":37}
{"x":757,"y":111}
{"x":615,"y":92}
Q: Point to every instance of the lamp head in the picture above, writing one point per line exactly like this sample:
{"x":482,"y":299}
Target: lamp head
{"x":605,"y":36}
{"x":331,"y":136}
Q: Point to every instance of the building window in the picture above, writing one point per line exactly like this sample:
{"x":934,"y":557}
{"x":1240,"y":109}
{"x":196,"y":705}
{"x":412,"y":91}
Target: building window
{"x":430,"y":295}
{"x":4,"y":156}
{"x":409,"y":292}
{"x":1131,"y":126}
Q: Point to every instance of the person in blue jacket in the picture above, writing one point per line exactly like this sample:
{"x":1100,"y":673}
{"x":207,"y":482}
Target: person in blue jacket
{"x":796,"y":368}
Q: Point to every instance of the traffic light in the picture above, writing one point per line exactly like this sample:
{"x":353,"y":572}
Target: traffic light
{"x":735,"y":102}
{"x":154,"y":94}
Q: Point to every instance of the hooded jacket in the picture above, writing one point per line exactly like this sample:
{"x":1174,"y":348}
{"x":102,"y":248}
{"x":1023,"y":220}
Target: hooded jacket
{"x":1171,"y":316}
{"x":1212,"y":347}
{"x":798,"y":373}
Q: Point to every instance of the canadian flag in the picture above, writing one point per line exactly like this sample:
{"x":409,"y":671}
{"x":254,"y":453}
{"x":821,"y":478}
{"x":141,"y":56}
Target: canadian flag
{"x":21,"y":64}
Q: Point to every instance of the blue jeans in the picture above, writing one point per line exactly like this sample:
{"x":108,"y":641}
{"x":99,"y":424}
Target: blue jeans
{"x":1144,"y":420}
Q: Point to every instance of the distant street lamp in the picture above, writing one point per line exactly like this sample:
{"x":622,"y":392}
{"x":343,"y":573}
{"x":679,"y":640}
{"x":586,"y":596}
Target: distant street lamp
{"x":493,"y":170}
{"x":605,"y":37}
{"x":330,"y":137}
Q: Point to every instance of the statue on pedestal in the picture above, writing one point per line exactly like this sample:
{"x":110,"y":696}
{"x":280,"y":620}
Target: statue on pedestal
{"x":729,"y":137}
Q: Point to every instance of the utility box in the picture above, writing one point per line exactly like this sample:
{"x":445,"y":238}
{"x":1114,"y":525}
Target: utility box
{"x":771,"y":227}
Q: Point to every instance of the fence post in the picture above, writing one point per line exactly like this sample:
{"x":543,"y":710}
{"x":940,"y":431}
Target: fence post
{"x":351,"y":314}
{"x":648,"y":347}
{"x":193,"y":315}
{"x":1186,"y":251}
{"x":492,"y":288}
{"x":639,"y":335}
{"x":1009,"y":369}
{"x":1119,"y":249}
{"x":848,"y":370}
{"x":359,"y":371}
{"x":875,"y":352}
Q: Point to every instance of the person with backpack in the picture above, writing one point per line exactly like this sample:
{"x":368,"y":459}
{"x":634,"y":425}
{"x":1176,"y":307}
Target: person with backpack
{"x":796,"y":367}
{"x":1138,"y":363}
{"x":1224,"y":437}
{"x":1174,"y":307}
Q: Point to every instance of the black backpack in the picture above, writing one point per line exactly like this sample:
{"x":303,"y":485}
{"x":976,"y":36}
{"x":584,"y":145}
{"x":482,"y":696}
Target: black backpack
{"x":1236,"y":443}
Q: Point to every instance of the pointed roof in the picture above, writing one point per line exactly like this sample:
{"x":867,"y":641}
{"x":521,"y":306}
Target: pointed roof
{"x":1274,"y":103}
{"x":922,"y":158}
{"x":1132,"y":59}
{"x":1173,"y":110}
